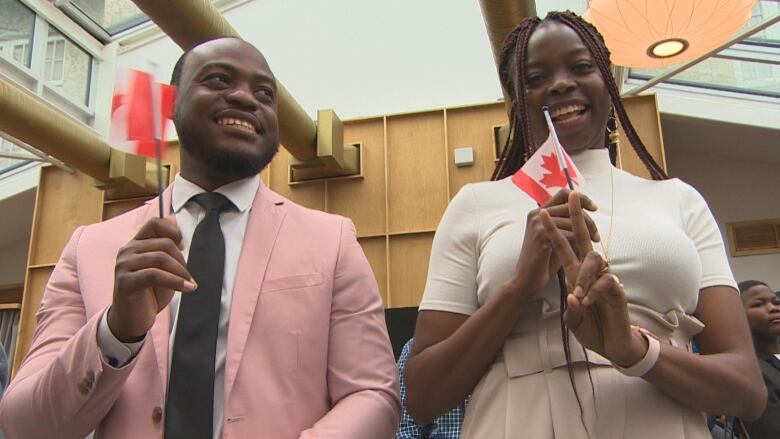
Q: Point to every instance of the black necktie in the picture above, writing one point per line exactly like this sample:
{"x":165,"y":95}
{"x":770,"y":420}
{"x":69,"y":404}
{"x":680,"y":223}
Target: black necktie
{"x":190,"y":406}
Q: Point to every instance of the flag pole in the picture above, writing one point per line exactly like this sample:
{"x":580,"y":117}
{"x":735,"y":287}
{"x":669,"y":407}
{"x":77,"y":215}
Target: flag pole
{"x":558,"y":152}
{"x":156,"y":105}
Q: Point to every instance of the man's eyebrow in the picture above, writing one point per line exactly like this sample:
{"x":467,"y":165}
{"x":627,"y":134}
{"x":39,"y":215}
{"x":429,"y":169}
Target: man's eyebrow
{"x":229,"y":67}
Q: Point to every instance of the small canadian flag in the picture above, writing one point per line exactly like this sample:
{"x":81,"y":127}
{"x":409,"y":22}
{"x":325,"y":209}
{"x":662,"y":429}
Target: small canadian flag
{"x":132,"y":127}
{"x":543,"y":175}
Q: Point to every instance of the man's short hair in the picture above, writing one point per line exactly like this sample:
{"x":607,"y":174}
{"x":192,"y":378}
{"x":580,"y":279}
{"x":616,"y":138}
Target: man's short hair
{"x":177,"y":68}
{"x":748,"y":284}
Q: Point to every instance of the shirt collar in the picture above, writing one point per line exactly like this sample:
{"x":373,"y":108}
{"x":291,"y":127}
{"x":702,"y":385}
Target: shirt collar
{"x":240,"y":192}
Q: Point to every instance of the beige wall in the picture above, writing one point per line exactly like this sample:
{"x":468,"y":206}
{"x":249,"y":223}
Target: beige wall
{"x":736,"y":190}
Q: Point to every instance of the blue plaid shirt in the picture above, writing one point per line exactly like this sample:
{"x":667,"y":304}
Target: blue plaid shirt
{"x":446,"y":426}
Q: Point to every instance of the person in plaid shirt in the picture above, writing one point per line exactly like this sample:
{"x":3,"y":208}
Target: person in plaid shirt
{"x":446,"y":426}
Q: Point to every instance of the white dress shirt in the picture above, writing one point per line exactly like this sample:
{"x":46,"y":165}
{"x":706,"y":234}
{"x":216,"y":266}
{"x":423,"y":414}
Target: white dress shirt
{"x":188,"y":214}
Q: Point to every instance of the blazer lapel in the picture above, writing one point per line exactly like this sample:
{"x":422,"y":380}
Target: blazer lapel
{"x":160,"y":332}
{"x":262,"y":229}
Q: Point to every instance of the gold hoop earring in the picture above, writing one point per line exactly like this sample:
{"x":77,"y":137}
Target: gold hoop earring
{"x":613,"y":135}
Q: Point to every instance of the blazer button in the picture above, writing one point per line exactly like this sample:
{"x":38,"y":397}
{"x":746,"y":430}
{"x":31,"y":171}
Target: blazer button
{"x":157,"y":415}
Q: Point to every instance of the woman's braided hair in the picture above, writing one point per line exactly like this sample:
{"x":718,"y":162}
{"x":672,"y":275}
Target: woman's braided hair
{"x":520,"y":143}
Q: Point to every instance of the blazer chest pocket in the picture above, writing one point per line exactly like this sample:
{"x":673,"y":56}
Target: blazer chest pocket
{"x":291,"y":282}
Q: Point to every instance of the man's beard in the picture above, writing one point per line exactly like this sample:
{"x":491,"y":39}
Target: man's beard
{"x":232,"y":164}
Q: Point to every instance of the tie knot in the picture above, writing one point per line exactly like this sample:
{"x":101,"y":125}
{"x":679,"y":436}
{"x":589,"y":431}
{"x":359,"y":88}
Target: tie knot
{"x":213,"y":201}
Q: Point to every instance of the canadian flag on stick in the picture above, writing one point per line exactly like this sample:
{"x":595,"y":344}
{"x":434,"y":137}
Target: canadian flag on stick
{"x":133,"y":128}
{"x":545,"y":173}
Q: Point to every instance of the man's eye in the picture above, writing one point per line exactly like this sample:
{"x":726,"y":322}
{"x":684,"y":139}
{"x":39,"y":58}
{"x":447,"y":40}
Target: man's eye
{"x":218,"y":78}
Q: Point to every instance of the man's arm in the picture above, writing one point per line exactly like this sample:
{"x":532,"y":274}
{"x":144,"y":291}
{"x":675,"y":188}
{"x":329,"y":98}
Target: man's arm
{"x":362,"y":377}
{"x":64,"y":388}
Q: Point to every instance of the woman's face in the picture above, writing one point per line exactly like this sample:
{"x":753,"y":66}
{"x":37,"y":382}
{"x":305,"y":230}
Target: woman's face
{"x":562,"y":75}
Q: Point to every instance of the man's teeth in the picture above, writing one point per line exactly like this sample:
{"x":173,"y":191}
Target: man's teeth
{"x":567,"y":110}
{"x":229,"y":121}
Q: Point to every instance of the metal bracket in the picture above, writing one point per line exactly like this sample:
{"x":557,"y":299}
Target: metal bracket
{"x":334,"y":158}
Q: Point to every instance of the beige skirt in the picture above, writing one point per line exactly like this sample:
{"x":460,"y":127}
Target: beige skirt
{"x":527,"y":392}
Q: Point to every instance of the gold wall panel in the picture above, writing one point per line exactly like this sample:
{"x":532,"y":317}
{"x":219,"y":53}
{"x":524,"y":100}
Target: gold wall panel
{"x":64,"y":202}
{"x":643,"y":112}
{"x":311,"y":195}
{"x":376,"y":252}
{"x":409,"y":255}
{"x":35,"y":284}
{"x":363,"y":199}
{"x":472,"y":127}
{"x":417,"y":171}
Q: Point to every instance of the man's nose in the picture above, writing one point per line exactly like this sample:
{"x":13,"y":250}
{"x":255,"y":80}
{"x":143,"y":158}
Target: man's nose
{"x":243,"y":98}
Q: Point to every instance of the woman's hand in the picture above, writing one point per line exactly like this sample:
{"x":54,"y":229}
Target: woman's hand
{"x":537,"y":260}
{"x":597,"y":308}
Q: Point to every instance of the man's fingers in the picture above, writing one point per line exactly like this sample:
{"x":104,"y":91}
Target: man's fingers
{"x":159,"y":244}
{"x":153,"y":278}
{"x":159,"y":260}
{"x":160,"y":228}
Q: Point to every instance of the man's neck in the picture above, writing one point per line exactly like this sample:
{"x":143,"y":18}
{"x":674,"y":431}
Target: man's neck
{"x":766,"y":343}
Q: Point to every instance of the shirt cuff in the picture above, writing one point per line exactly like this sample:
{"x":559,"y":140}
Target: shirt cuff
{"x":116,"y":353}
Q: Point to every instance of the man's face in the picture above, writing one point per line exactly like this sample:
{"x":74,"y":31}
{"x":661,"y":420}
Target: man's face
{"x":762,"y":307}
{"x":226,"y":109}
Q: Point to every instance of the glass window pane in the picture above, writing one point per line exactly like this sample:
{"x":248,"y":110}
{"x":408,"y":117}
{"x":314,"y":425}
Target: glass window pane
{"x":112,"y":15}
{"x":68,"y":67}
{"x":725,"y":74}
{"x":6,"y":164}
{"x":16,"y":31}
{"x":761,"y":11}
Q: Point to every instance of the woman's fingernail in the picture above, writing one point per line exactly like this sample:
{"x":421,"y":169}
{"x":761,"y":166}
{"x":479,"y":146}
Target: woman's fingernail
{"x":597,"y":236}
{"x":189,"y":285}
{"x":578,"y":292}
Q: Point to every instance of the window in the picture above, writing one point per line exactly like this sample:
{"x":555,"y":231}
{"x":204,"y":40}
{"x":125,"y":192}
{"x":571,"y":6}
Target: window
{"x":17,"y":24}
{"x":55,"y":59}
{"x":67,"y":67}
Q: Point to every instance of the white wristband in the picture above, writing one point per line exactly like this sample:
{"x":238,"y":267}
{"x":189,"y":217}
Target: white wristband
{"x":641,"y":367}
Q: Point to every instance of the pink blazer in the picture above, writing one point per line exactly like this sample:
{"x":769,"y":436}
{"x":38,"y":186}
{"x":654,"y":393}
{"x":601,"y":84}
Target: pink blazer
{"x":308,"y":354}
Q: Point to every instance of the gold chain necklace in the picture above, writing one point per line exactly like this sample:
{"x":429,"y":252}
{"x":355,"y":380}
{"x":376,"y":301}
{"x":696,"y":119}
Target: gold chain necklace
{"x":605,"y":250}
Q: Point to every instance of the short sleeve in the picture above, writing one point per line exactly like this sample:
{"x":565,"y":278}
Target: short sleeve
{"x":452,"y":271}
{"x":701,"y":227}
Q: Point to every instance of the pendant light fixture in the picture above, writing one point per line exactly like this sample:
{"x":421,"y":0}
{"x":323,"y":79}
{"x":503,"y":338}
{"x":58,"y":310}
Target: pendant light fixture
{"x":658,"y":33}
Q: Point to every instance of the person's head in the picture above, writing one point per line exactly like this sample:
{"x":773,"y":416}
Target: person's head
{"x":762,"y":307}
{"x":561,"y":62}
{"x":225,"y":111}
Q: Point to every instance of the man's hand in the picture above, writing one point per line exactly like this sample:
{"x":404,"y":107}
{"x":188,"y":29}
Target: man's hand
{"x":148,"y":270}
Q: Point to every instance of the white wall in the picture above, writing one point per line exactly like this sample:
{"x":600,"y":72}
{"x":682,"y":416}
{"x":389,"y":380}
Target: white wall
{"x":736,"y":190}
{"x":362,"y":57}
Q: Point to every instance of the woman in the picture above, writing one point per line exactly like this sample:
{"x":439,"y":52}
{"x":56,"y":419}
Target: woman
{"x":490,"y":319}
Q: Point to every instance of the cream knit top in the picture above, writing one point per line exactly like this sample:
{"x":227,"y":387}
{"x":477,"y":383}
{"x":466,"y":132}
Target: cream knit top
{"x":665,"y":244}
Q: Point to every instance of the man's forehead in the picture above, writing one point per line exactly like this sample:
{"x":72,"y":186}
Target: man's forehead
{"x":225,"y":49}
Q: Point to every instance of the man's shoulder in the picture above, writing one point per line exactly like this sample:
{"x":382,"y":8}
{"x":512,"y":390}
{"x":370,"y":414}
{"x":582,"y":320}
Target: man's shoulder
{"x":303,"y":214}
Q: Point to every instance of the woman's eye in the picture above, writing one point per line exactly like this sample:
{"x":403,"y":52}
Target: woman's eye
{"x":533,"y":79}
{"x":583,"y":66}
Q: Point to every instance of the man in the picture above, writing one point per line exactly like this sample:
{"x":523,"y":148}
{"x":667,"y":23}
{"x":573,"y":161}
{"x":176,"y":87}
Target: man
{"x":762,"y":307}
{"x":446,"y":426}
{"x":242,"y":315}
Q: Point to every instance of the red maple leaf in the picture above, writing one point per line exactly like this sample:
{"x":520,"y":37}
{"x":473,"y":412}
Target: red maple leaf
{"x":555,"y":176}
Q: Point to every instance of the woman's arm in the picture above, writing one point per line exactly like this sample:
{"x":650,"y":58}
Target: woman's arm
{"x":725,"y":378}
{"x":453,"y":351}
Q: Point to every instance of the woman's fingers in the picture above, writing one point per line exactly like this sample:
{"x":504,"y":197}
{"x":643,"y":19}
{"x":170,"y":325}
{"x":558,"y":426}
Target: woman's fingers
{"x":558,"y":241}
{"x":590,"y":270}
